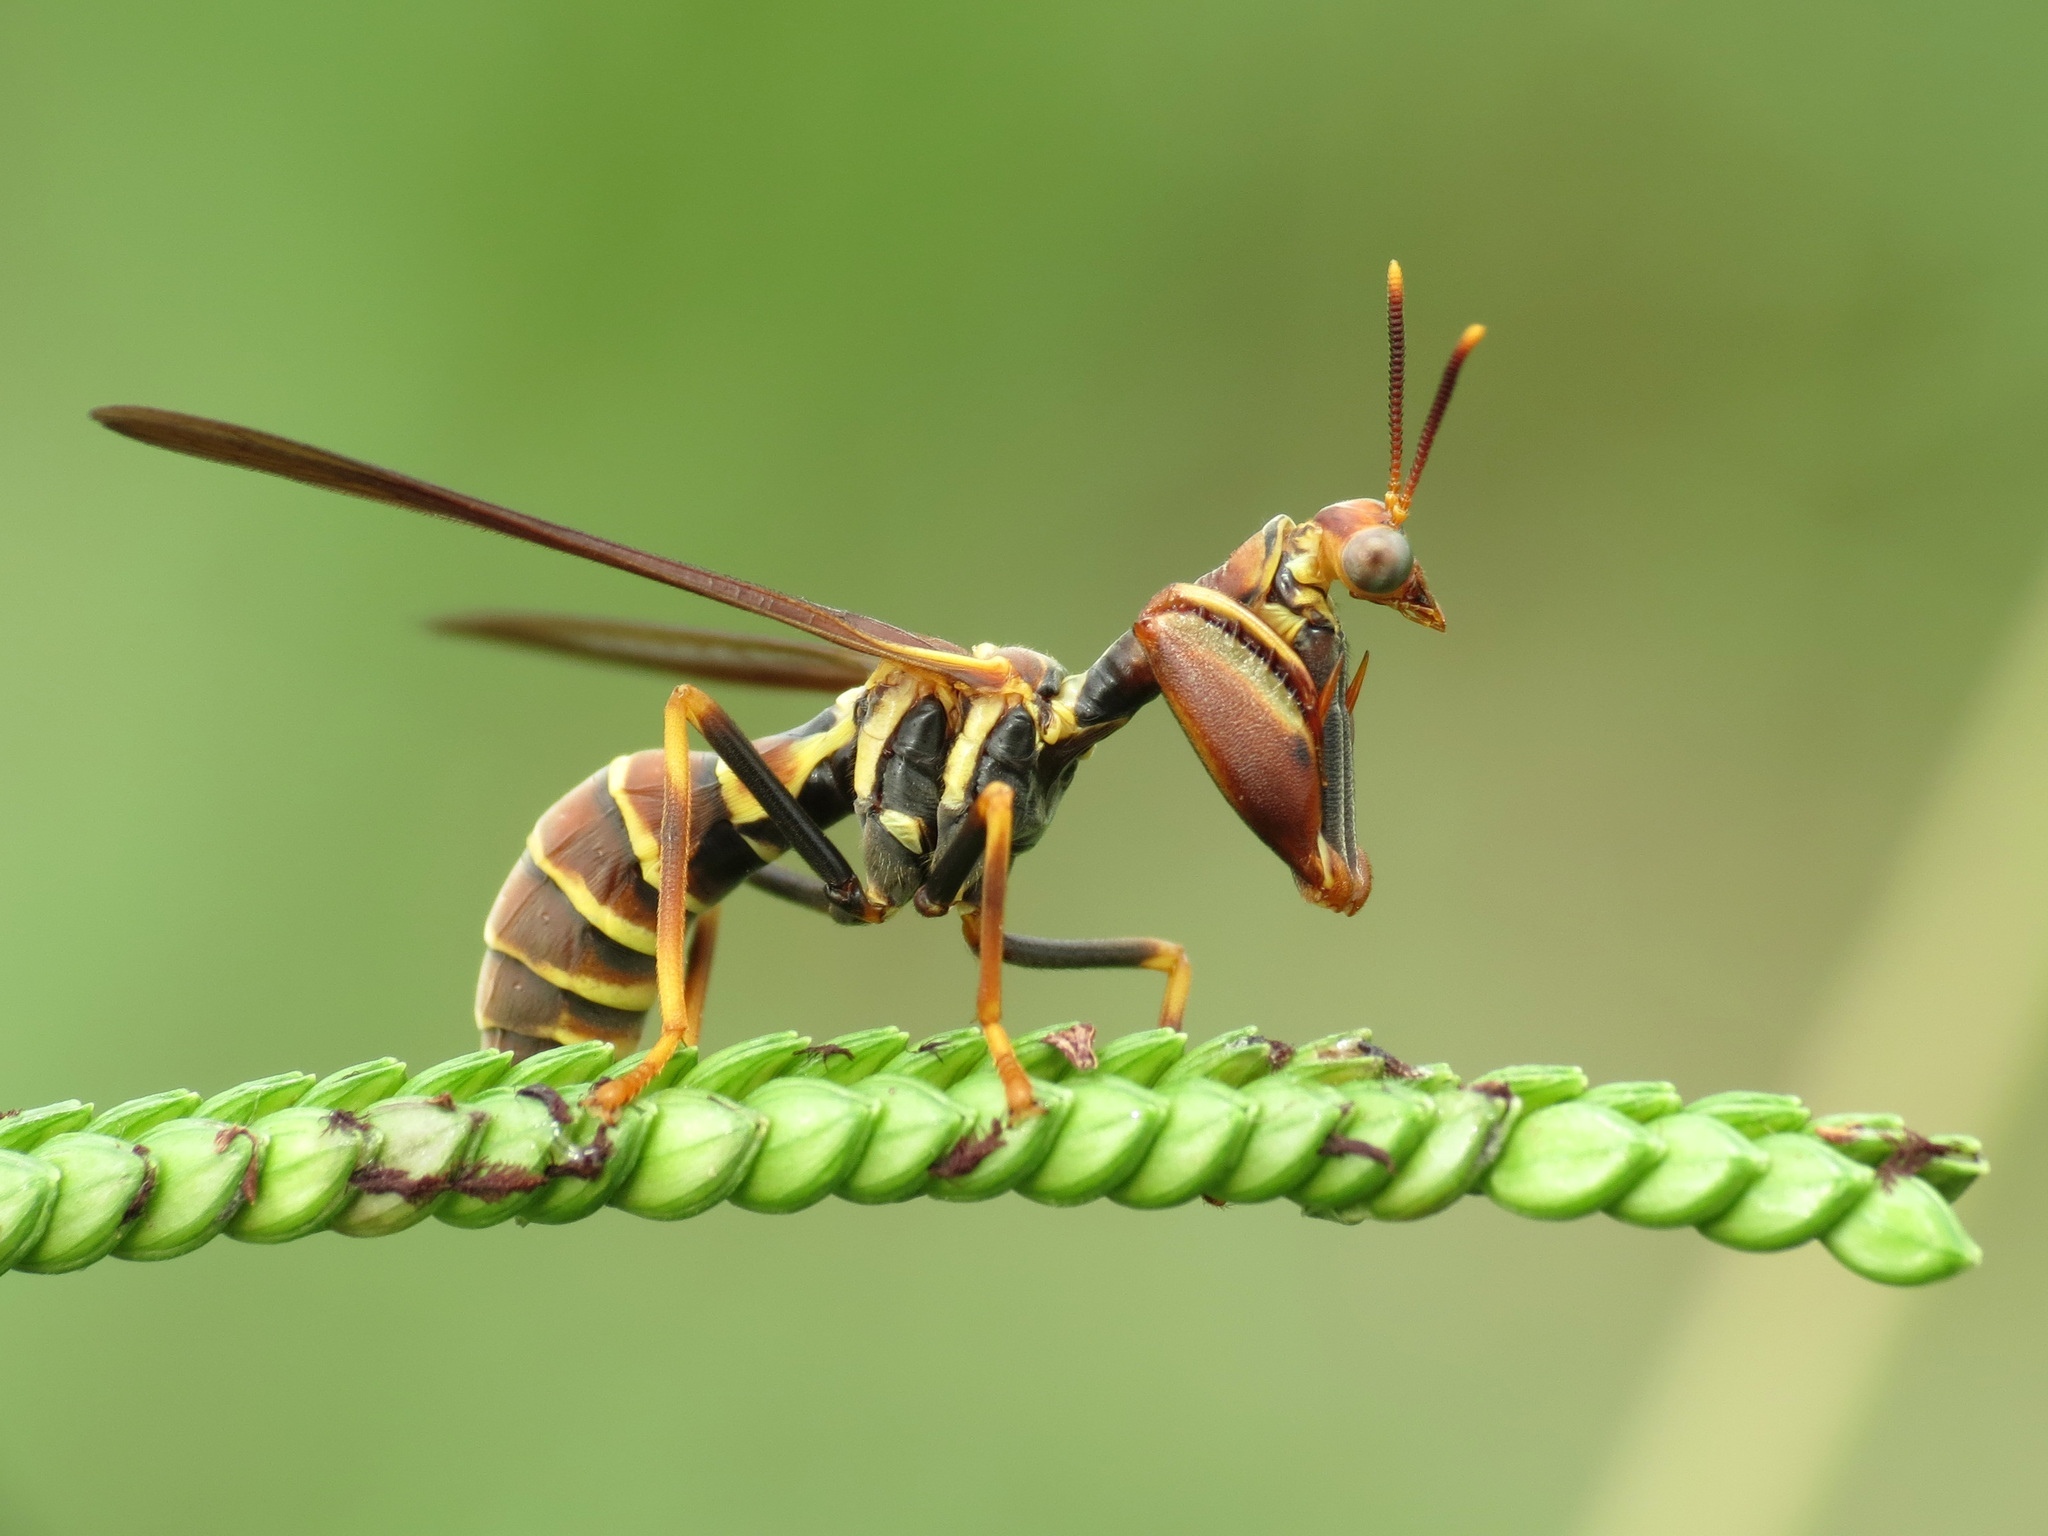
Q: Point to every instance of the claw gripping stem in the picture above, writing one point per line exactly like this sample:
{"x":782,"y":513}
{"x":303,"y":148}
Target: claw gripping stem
{"x":776,"y":1124}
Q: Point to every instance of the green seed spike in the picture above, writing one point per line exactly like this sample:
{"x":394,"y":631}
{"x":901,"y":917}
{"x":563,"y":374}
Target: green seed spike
{"x":26,"y":1129}
{"x":205,"y":1172}
{"x":1571,"y":1159}
{"x":586,"y":1180}
{"x":1959,"y":1163}
{"x":997,"y":1158}
{"x":419,"y":1146}
{"x":1233,"y":1060}
{"x":699,"y":1148}
{"x":817,"y":1132}
{"x":102,"y":1176}
{"x":1337,"y":1059}
{"x":1807,"y":1188}
{"x":739,"y":1069}
{"x":1538,"y":1087}
{"x":1294,"y":1117}
{"x":853,"y":1057}
{"x":915,"y":1125}
{"x":358,"y":1087}
{"x":564,"y":1068}
{"x":518,"y":1140}
{"x":1906,"y":1235}
{"x":1207,"y":1126}
{"x":28,"y":1199}
{"x":302,"y":1184}
{"x":1753,"y":1114}
{"x":1452,"y":1156}
{"x":1142,"y":1058}
{"x":1041,"y":1055}
{"x":1433,"y":1077}
{"x":943,"y":1059}
{"x":131,"y":1119}
{"x":459,"y":1076}
{"x":247,"y":1102}
{"x":775,"y":1124}
{"x":679,"y":1066}
{"x":1639,"y":1101}
{"x":1109,"y":1129}
{"x":1385,"y":1125}
{"x":1703,"y":1164}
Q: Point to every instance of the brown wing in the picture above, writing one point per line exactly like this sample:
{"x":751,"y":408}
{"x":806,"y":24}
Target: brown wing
{"x":672,"y":649}
{"x":244,"y":446}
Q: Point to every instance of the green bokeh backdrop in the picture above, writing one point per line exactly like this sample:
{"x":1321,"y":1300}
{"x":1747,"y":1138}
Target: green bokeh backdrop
{"x":992,"y":321}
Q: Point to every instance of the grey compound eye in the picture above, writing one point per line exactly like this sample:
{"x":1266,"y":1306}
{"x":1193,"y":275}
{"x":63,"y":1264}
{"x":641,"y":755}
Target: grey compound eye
{"x":1378,"y":560}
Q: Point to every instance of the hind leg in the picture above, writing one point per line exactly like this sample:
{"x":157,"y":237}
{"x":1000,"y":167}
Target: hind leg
{"x":681,"y":974}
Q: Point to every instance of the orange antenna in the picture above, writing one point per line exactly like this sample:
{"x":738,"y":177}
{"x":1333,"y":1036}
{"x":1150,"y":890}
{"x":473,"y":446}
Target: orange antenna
{"x":1397,"y":366}
{"x":1474,"y":334}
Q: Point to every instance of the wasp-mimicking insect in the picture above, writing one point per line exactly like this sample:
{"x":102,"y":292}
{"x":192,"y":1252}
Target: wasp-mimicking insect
{"x":952,"y":761}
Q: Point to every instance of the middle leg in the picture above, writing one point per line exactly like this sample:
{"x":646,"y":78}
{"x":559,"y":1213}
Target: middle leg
{"x":984,"y":835}
{"x":993,"y":807}
{"x":1039,"y":954}
{"x":1027,"y":950}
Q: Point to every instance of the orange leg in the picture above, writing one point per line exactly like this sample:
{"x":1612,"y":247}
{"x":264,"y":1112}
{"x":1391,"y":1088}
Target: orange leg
{"x":1180,"y":976}
{"x":680,"y":981}
{"x":697,"y":969}
{"x":993,"y":807}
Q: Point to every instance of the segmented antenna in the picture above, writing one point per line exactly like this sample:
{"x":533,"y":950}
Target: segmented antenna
{"x":1397,"y":367}
{"x":1400,"y":496}
{"x":1474,"y":334}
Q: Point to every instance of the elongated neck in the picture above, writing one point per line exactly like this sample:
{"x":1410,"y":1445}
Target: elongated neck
{"x":1116,"y":687}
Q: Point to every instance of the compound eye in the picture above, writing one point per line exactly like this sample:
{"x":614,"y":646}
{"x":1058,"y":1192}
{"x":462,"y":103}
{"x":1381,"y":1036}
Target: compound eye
{"x":1378,"y":560}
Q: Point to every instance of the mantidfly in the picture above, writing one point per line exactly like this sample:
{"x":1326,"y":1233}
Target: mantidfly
{"x":952,"y":761}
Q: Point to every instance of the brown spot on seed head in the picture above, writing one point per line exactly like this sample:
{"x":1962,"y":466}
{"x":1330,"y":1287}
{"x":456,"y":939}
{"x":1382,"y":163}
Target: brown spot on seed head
{"x":586,"y":1162}
{"x":1278,"y":1052}
{"x":492,"y":1182}
{"x":557,"y":1107}
{"x":147,"y":1188}
{"x":1077,"y":1043}
{"x":377,"y":1179}
{"x":1392,"y":1065}
{"x":968,"y":1153}
{"x":226,"y":1137}
{"x":1348,"y":1146}
{"x":1911,"y":1152}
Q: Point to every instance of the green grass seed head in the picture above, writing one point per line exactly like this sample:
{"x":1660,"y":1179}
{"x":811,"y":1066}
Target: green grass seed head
{"x":776,"y":1124}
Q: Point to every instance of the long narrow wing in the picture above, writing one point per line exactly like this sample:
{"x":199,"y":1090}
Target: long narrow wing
{"x":673,"y":650}
{"x":225,"y":443}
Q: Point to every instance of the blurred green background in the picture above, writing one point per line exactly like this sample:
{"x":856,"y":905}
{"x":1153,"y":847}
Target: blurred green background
{"x":992,"y":321}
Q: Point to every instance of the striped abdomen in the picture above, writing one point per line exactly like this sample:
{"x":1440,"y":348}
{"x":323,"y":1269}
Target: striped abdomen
{"x":570,"y":940}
